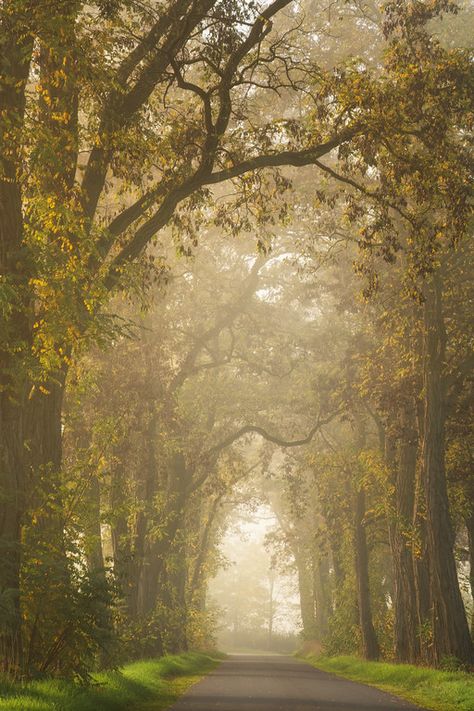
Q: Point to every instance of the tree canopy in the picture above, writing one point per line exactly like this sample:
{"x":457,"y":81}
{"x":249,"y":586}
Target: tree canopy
{"x":235,"y":265}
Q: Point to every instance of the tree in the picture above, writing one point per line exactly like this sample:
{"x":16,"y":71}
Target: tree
{"x":88,"y":113}
{"x":419,"y":207}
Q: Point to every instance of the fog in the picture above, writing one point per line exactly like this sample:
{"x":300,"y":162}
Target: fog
{"x":256,"y":604}
{"x":236,"y":332}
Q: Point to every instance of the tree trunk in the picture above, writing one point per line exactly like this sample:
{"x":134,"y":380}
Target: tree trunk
{"x":48,"y":578}
{"x":197,"y":585}
{"x":470,"y":534}
{"x":337,"y":565}
{"x":16,"y":47}
{"x":170,"y":559}
{"x":321,"y":593}
{"x":370,"y":645}
{"x":406,"y":640}
{"x":121,"y":540}
{"x":451,"y":635}
{"x":11,"y":511}
{"x":93,"y":534}
{"x":142,"y":597}
{"x":423,"y":595}
{"x":305,"y":588}
{"x":420,"y":553}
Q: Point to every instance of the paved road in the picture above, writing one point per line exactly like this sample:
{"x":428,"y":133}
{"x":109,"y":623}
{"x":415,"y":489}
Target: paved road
{"x":276,"y":683}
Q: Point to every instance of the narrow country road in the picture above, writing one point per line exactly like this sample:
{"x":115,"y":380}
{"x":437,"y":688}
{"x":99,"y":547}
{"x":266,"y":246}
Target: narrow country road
{"x":277,"y":683}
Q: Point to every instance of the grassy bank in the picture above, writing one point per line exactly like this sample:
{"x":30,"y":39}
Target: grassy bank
{"x":146,"y":685}
{"x":430,"y":688}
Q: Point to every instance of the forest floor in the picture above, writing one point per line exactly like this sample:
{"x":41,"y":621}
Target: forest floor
{"x":431,"y":688}
{"x":152,"y":684}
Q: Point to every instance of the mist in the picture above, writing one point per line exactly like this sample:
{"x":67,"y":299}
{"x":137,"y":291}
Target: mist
{"x":256,"y":603}
{"x":236,"y":338}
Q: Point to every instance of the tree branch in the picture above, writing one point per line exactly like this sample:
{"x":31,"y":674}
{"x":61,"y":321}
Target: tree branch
{"x":199,"y":91}
{"x":187,"y":367}
{"x":308,"y":156}
{"x":275,"y":439}
{"x":119,"y":108}
{"x":201,"y":178}
{"x":362,"y":189}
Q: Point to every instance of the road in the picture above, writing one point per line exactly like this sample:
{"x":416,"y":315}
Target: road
{"x":277,"y":683}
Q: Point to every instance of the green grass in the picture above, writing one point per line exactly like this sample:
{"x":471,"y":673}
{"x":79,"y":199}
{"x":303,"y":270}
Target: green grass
{"x":150,"y":685}
{"x":430,"y":688}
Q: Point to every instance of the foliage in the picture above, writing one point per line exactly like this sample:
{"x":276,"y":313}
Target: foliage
{"x":150,"y":367}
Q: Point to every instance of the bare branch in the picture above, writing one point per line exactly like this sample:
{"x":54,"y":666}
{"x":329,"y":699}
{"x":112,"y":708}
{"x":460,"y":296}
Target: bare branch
{"x":275,"y":439}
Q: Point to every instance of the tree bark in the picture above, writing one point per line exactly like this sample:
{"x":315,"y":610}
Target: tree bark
{"x":321,"y":593}
{"x":470,"y":534}
{"x":406,"y":639}
{"x":420,"y":551}
{"x":93,"y":536}
{"x":141,"y":574}
{"x":451,"y":635}
{"x":370,"y":645}
{"x":11,"y":512}
{"x":305,"y":589}
{"x":121,"y":543}
{"x":44,"y":520}
{"x":197,"y":584}
{"x":16,"y":46}
{"x":170,"y":564}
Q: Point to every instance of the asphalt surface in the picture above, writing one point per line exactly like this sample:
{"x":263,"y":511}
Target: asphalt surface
{"x":277,"y":683}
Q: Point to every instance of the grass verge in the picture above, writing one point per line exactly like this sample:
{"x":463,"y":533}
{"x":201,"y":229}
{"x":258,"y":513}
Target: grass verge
{"x":430,"y":688}
{"x":149,"y":685}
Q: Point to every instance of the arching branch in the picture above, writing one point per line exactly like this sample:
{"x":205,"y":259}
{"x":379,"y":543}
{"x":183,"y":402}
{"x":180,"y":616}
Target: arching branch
{"x":156,"y":222}
{"x":308,"y":156}
{"x":255,"y":429}
{"x":275,"y":439}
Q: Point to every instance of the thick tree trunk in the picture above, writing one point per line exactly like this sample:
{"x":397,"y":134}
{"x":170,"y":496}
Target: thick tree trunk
{"x":451,"y":635}
{"x":470,"y":534}
{"x":44,"y":530}
{"x":94,"y":555}
{"x":121,"y":541}
{"x":337,"y":566}
{"x":406,"y":639}
{"x":169,"y":563}
{"x":44,"y":425}
{"x":423,"y":593}
{"x":197,"y":584}
{"x":370,"y":645}
{"x":321,"y":593}
{"x":305,"y":589}
{"x":420,"y":553}
{"x":16,"y":47}
{"x":171,"y":601}
{"x":11,"y":512}
{"x":142,"y":595}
